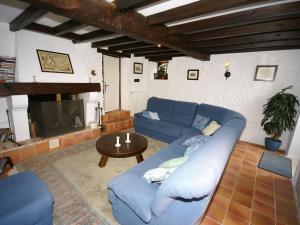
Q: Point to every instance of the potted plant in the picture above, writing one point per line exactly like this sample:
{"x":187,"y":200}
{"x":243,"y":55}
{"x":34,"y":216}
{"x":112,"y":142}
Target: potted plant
{"x":279,"y":114}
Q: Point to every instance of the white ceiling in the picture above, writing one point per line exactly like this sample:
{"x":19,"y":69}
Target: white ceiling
{"x":10,"y":9}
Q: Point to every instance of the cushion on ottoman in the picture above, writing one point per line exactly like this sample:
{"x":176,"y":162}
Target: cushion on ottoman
{"x":24,"y":200}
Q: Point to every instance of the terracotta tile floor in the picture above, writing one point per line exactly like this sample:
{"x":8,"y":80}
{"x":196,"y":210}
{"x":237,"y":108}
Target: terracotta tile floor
{"x":249,"y":195}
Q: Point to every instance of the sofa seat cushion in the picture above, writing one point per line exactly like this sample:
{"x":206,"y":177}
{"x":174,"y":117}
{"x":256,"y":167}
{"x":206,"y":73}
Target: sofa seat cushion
{"x":189,"y":131}
{"x":24,"y":200}
{"x":158,"y":126}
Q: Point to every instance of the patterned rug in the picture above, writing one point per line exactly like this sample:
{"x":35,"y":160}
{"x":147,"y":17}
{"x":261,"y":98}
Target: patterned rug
{"x":78,"y":185}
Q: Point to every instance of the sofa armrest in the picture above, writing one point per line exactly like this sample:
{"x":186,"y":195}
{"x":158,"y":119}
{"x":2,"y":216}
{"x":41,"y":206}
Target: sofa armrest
{"x":135,"y":192}
{"x":187,"y":182}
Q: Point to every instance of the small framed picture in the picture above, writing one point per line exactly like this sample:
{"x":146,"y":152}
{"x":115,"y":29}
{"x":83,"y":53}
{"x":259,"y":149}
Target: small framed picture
{"x":265,"y":72}
{"x":193,"y":74}
{"x":162,"y":71}
{"x":138,"y":68}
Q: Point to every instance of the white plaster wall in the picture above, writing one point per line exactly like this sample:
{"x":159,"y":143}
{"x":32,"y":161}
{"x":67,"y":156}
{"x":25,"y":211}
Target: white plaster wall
{"x":134,"y":95}
{"x":7,"y":48}
{"x":294,"y":147}
{"x":240,"y":92}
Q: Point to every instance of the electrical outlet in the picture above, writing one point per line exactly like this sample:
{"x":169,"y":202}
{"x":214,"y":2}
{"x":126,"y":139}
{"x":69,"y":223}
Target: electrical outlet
{"x":54,"y":143}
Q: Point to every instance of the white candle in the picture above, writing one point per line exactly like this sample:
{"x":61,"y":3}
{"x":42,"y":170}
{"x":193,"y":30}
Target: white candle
{"x":118,"y":142}
{"x":127,"y":140}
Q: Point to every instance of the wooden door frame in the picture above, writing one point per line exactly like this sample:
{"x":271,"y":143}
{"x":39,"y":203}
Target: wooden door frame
{"x":103,"y":78}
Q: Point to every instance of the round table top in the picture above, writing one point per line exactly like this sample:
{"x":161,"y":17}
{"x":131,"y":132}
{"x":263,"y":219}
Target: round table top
{"x":106,"y":145}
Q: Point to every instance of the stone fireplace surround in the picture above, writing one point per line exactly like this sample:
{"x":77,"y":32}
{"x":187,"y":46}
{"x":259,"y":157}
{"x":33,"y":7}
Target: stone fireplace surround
{"x":17,"y":102}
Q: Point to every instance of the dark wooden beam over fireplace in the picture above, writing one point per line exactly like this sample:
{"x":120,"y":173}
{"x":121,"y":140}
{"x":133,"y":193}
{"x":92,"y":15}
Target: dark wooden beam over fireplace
{"x":7,"y":89}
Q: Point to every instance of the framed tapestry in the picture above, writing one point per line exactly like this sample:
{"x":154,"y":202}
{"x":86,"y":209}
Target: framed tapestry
{"x":54,"y":62}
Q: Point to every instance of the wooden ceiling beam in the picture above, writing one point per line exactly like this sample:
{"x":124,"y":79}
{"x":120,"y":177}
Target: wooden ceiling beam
{"x":130,"y":46}
{"x":146,"y":49}
{"x":93,"y":36}
{"x":67,"y":27}
{"x":105,"y":16}
{"x":266,"y":44}
{"x":269,"y":13}
{"x":199,"y":8}
{"x":257,"y":49}
{"x":28,"y":16}
{"x":276,"y":36}
{"x":113,"y":42}
{"x":113,"y":54}
{"x":273,"y":26}
{"x":133,"y":4}
{"x":50,"y":30}
{"x":166,"y":52}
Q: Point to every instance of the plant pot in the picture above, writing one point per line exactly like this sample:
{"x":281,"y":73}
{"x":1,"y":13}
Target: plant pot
{"x":272,"y":144}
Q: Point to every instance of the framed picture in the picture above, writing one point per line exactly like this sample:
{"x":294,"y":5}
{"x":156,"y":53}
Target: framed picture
{"x":265,"y":73}
{"x":193,"y":74}
{"x":162,"y":71}
{"x":54,"y":62}
{"x":138,"y":68}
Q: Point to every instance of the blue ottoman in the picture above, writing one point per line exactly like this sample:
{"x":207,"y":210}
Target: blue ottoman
{"x":25,"y":200}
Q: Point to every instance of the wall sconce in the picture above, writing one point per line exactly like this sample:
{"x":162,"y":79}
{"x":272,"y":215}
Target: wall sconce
{"x":227,"y":73}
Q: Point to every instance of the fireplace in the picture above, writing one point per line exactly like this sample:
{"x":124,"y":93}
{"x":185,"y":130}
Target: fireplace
{"x":50,"y":116}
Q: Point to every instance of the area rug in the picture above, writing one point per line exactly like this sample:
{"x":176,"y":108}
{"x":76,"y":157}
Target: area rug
{"x":78,"y":185}
{"x":276,"y":164}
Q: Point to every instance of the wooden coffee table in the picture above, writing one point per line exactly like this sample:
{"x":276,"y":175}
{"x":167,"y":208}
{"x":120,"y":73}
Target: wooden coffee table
{"x":106,"y":147}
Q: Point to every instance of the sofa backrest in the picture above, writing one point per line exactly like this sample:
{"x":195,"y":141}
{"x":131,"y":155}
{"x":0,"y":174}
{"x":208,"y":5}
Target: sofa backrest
{"x":219,"y":114}
{"x":177,"y":112}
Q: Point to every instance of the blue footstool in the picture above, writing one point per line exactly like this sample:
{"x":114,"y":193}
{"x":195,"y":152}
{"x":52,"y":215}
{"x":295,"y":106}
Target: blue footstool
{"x":25,"y":200}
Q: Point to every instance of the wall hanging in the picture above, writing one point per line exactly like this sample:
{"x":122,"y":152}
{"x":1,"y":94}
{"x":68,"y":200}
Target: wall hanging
{"x":54,"y":62}
{"x":162,"y":71}
{"x":137,"y":68}
{"x":193,"y":74}
{"x":265,"y":72}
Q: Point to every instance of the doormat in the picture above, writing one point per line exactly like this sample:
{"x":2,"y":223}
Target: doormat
{"x":276,"y":164}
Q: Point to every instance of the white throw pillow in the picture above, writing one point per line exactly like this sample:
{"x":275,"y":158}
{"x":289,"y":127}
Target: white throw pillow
{"x":154,"y":115}
{"x":157,"y":174}
{"x":211,"y":128}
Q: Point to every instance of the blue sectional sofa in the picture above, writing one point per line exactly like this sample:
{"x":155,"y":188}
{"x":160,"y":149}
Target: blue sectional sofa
{"x":183,"y":197}
{"x":25,"y":200}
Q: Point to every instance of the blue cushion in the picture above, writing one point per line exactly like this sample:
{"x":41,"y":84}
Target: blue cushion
{"x":200,"y":122}
{"x":146,"y":114}
{"x":182,"y":113}
{"x":24,"y":200}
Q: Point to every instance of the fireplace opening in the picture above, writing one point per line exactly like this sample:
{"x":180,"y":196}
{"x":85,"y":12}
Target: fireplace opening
{"x":52,"y":115}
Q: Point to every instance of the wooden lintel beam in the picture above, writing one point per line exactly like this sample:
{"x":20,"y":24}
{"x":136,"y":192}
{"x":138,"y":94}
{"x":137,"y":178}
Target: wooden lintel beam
{"x":130,"y":46}
{"x":268,"y":13}
{"x":273,"y":26}
{"x":67,"y":27}
{"x":93,"y":36}
{"x":113,"y":42}
{"x":105,"y":15}
{"x":133,"y":4}
{"x":166,"y":52}
{"x":29,"y":15}
{"x":114,"y":54}
{"x":256,"y":49}
{"x":147,"y":49}
{"x":50,"y":30}
{"x":266,"y":44}
{"x":275,"y":36}
{"x":199,"y":8}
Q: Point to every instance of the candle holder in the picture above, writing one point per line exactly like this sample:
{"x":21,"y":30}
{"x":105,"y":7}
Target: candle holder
{"x":127,"y":138}
{"x":118,"y":142}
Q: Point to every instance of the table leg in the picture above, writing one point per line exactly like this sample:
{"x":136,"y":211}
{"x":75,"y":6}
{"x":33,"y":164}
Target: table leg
{"x":139,"y":158}
{"x":103,"y":161}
